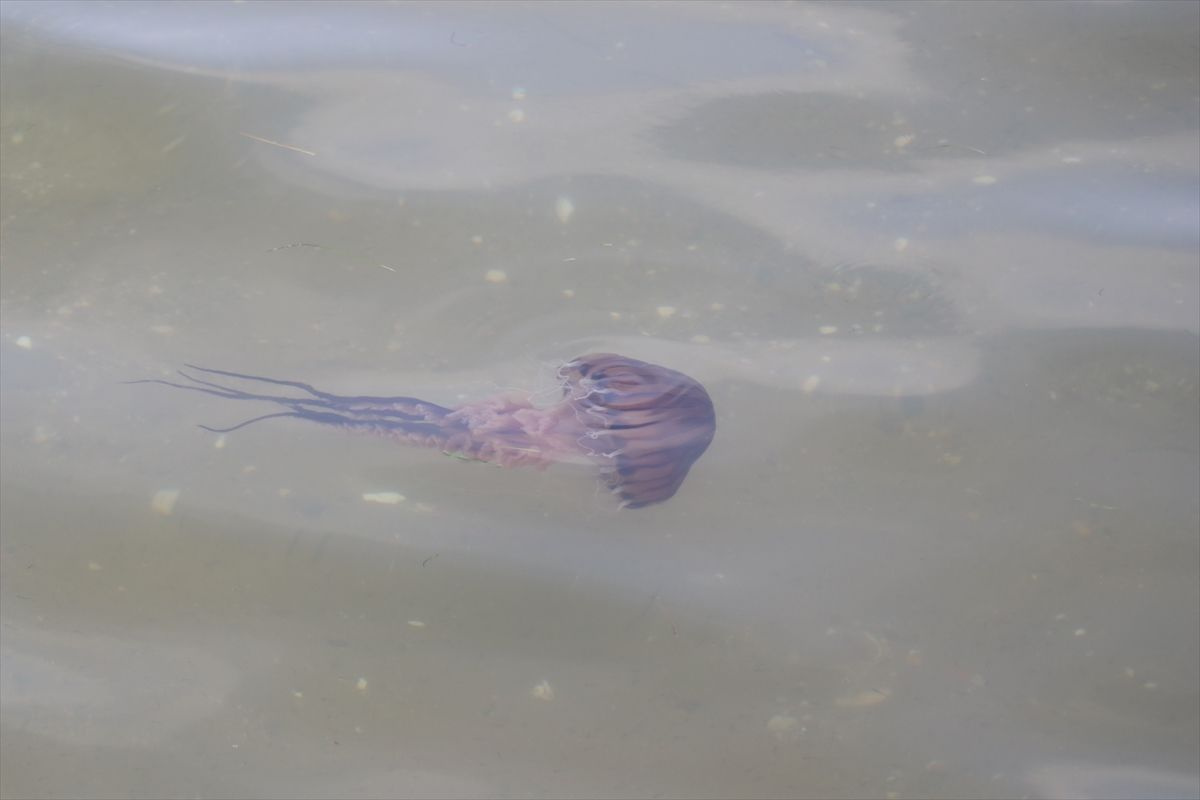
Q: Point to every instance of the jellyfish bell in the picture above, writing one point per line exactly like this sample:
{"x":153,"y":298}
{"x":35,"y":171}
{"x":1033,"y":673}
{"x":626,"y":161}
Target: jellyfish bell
{"x":653,"y":423}
{"x":643,"y":425}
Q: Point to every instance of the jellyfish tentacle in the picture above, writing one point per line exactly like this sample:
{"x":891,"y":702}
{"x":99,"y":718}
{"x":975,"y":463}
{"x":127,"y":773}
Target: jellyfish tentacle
{"x":412,"y":407}
{"x":338,"y":398}
{"x":261,"y":379}
{"x":297,"y":403}
{"x":406,"y":418}
{"x":250,"y":421}
{"x":226,"y":393}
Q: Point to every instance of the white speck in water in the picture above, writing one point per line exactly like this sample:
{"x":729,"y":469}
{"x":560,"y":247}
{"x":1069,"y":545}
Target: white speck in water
{"x":94,"y":567}
{"x":543,"y":691}
{"x":568,"y":293}
{"x":361,"y":684}
{"x":219,"y":442}
{"x":700,"y":338}
{"x":496,"y":276}
{"x":164,"y":501}
{"x":24,"y":342}
{"x":827,"y":330}
{"x":666,"y":312}
{"x":900,"y":142}
{"x":900,"y":245}
{"x":519,"y":93}
{"x":1080,"y":631}
{"x":564,"y":209}
{"x":811,"y":383}
{"x":983,"y":180}
{"x":416,"y":623}
{"x":516,"y":115}
{"x":387,"y":498}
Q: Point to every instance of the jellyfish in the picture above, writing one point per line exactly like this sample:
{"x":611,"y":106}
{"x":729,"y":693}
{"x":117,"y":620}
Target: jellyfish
{"x":642,"y":425}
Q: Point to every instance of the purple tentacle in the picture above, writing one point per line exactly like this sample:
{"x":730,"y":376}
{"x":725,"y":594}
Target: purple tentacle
{"x":407,"y":418}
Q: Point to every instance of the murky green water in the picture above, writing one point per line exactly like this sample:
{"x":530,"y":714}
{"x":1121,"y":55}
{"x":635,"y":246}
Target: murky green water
{"x":935,"y":264}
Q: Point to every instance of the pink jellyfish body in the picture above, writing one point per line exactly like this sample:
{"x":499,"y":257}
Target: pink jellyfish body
{"x":643,"y":425}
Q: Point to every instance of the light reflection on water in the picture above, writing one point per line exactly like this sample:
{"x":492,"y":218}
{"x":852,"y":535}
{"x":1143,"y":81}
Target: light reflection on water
{"x":935,"y":265}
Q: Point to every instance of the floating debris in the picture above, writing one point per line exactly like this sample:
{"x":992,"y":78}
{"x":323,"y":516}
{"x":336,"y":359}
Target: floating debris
{"x":564,"y":209}
{"x":496,"y":276}
{"x":387,"y":498}
{"x":24,"y":342}
{"x":164,"y":501}
{"x":781,"y":725}
{"x":543,"y":691}
{"x":276,"y":144}
{"x":863,"y":699}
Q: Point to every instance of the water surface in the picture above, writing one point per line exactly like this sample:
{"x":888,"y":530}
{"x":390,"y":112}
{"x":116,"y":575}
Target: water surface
{"x":934,"y":264}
